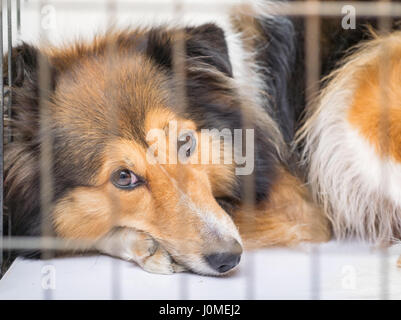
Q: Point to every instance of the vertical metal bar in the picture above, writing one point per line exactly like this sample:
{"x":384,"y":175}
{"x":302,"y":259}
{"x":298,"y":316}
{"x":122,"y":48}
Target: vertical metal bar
{"x":312,"y":70}
{"x":315,"y":273}
{"x":250,"y":281}
{"x":249,"y":194}
{"x":46,"y":159}
{"x":384,"y":271}
{"x":249,"y":206}
{"x":1,"y":139}
{"x":9,"y":100}
{"x":385,"y":21}
{"x":111,"y":92}
{"x":19,"y":18}
{"x":46,"y":152}
{"x":179,"y":53}
{"x":9,"y":56}
{"x":384,"y":24}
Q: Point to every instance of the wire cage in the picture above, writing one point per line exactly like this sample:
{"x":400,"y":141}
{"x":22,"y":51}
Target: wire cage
{"x":311,"y":12}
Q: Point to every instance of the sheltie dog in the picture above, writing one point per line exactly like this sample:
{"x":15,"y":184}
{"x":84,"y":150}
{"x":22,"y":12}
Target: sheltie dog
{"x":124,"y":119}
{"x":105,"y":97}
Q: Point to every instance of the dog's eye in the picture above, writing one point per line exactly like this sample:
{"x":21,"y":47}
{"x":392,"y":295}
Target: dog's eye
{"x":186,"y":144}
{"x":125,"y":179}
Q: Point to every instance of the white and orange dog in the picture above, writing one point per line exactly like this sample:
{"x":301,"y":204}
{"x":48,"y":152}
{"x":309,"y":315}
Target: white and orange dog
{"x":352,"y":143}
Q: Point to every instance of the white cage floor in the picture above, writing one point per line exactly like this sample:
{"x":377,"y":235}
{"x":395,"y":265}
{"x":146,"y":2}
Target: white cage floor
{"x":345,"y":271}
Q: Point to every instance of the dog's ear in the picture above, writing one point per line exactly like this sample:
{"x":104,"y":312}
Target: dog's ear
{"x":205,"y":44}
{"x":23,"y":64}
{"x":21,"y":162}
{"x":159,"y":47}
{"x":25,"y":90}
{"x":208,"y":44}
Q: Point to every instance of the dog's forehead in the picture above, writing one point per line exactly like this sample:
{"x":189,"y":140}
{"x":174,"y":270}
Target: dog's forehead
{"x":110,"y":95}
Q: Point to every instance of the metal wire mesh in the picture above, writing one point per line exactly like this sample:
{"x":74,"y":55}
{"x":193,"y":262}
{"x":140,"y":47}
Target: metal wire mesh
{"x":312,"y":11}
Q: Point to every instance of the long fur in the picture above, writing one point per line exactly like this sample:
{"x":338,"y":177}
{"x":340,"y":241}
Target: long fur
{"x":339,"y":161}
{"x":216,"y":99}
{"x":238,"y":76}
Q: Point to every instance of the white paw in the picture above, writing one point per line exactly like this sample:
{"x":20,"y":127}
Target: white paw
{"x":159,"y":261}
{"x":132,"y":245}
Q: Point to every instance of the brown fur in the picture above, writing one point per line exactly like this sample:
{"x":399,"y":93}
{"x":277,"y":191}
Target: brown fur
{"x":107,"y":96}
{"x":372,"y":115}
{"x":287,"y":219}
{"x":93,"y":211}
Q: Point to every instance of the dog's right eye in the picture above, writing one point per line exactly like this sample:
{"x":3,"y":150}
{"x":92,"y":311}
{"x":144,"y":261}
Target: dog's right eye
{"x":125,"y":179}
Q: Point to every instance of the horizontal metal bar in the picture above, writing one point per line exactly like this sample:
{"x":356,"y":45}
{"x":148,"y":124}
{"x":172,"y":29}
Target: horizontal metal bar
{"x":298,"y":8}
{"x":59,"y":244}
{"x":46,"y":243}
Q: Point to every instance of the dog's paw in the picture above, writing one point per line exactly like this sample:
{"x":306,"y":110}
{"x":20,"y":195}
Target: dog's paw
{"x":159,"y":260}
{"x":132,"y":245}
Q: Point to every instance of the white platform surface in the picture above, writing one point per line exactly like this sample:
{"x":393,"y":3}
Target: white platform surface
{"x":346,"y":272}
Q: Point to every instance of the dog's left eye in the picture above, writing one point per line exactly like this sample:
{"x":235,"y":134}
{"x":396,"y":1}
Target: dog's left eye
{"x":125,"y":179}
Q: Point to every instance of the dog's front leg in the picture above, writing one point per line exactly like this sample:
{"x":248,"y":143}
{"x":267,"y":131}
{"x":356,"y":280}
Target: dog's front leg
{"x":287,"y":218}
{"x":133,"y":245}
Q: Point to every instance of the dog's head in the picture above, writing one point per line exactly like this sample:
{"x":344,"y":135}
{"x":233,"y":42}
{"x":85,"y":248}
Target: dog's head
{"x":109,"y":103}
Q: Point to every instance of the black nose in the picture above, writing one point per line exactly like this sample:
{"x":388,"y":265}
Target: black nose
{"x":227,"y":259}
